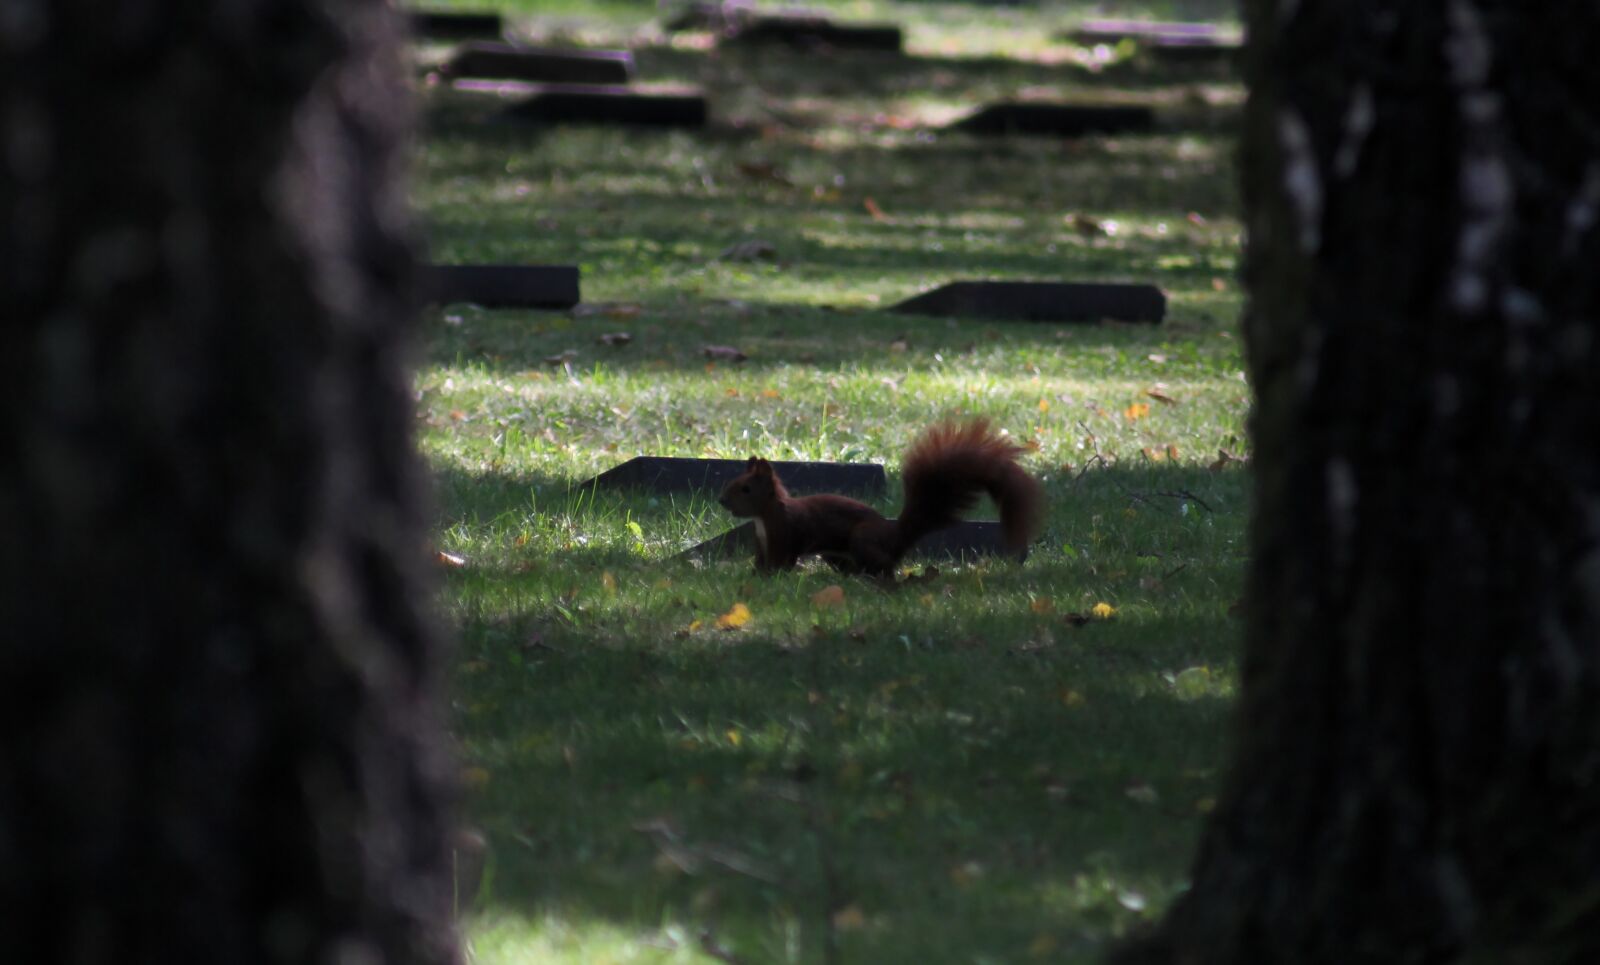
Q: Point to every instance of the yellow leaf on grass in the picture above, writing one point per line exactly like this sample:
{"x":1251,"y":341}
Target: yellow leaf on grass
{"x":771,"y":394}
{"x":1137,"y":410}
{"x":734,"y":618}
{"x":695,"y":625}
{"x":734,"y":737}
{"x":1044,"y":405}
{"x":1103,"y":611}
{"x":1042,"y":604}
{"x":828,"y":596}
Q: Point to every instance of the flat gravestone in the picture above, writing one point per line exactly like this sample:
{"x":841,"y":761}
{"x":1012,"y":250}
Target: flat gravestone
{"x":813,"y":32}
{"x":455,"y":25}
{"x":1172,"y":42}
{"x":675,"y":474}
{"x":1041,"y":301}
{"x":653,"y":106}
{"x":1060,"y":120}
{"x":1116,"y":31}
{"x":502,"y":286}
{"x":965,"y":539}
{"x":541,"y":64}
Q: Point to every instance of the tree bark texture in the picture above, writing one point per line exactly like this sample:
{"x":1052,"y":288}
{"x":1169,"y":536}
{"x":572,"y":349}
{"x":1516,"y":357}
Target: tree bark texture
{"x":218,"y":731}
{"x":1416,"y":773}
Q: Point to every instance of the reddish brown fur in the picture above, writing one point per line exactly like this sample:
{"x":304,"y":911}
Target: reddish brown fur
{"x":945,"y":472}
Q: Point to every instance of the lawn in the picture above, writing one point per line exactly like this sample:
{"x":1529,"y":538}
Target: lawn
{"x":992,"y":762}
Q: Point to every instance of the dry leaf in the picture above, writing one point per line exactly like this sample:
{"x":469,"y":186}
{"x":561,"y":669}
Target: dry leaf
{"x":1161,"y":397}
{"x":734,"y":618}
{"x":450,"y":559}
{"x":874,"y":210}
{"x":828,"y":597}
{"x":1102,"y":611}
{"x":1042,"y":604}
{"x":1137,"y":410}
{"x":726,"y":353}
{"x":615,"y":339}
{"x":763,"y":171}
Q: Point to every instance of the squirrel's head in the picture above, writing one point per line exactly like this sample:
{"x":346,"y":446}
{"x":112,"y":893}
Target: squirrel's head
{"x":752,"y":490}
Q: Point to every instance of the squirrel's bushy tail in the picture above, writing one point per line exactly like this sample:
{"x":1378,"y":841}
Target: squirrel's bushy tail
{"x":946,"y":470}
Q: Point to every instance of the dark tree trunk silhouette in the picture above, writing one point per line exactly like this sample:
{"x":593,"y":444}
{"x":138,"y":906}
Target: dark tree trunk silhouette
{"x":218,"y":732}
{"x":1417,"y":762}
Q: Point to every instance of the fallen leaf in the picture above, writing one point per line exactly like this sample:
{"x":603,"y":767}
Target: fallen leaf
{"x":450,"y":559}
{"x":1102,"y":611}
{"x":615,"y":339}
{"x":1137,"y":410}
{"x":734,"y":618}
{"x":726,"y":353}
{"x":849,"y":918}
{"x":561,"y":358}
{"x":1042,"y":604}
{"x":771,"y":394}
{"x":1161,"y":397}
{"x":608,"y":309}
{"x":828,"y":597}
{"x":873,"y":209}
{"x":763,"y":171}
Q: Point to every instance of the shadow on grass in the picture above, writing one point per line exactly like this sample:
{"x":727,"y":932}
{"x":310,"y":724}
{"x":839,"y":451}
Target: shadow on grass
{"x":940,"y":771}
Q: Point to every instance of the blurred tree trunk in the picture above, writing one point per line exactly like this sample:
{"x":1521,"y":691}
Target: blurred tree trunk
{"x":1416,"y":773}
{"x":219,"y":739}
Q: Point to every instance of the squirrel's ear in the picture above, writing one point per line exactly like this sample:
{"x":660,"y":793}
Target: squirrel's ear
{"x":762,"y":466}
{"x":751,"y":463}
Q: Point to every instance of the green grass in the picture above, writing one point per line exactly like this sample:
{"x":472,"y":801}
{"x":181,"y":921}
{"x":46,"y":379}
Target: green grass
{"x":961,"y":769}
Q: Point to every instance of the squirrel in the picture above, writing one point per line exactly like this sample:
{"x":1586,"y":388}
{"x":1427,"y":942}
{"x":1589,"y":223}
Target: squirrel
{"x":944,"y":471}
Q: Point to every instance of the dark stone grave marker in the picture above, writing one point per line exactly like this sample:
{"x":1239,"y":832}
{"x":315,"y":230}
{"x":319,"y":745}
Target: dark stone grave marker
{"x":653,"y":106}
{"x":502,"y":286}
{"x":1060,"y":120}
{"x":969,"y":538}
{"x":454,"y":25}
{"x":1041,"y":301}
{"x":541,"y":64}
{"x":817,"y":32}
{"x":677,"y":474}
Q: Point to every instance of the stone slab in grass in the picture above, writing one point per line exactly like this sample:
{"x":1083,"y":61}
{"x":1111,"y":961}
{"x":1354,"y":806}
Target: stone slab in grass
{"x":455,"y":25}
{"x":1111,"y":31}
{"x":677,"y":474}
{"x":502,"y":286}
{"x":812,"y":32}
{"x":1041,"y":301}
{"x":963,"y":540}
{"x":516,"y":62}
{"x":656,"y":105}
{"x":1057,"y":120}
